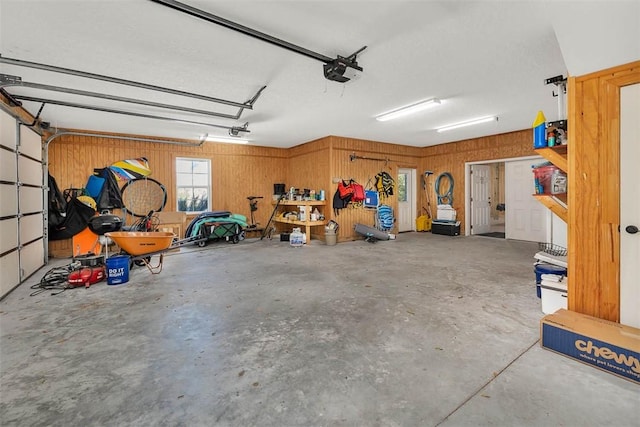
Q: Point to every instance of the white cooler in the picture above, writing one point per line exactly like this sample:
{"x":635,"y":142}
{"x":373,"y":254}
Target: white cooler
{"x":553,"y":295}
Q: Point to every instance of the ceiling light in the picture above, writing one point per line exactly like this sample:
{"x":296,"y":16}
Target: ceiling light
{"x":409,"y":109}
{"x":227,"y":140}
{"x":467,"y":123}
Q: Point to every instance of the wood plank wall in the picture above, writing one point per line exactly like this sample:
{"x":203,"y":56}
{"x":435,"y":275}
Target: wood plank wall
{"x":400,"y":156}
{"x":452,"y":157}
{"x":307,"y":169}
{"x":237,"y":171}
{"x":594,"y":191}
{"x":242,"y":171}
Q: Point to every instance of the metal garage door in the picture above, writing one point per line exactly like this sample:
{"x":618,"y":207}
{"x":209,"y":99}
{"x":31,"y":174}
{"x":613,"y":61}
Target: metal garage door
{"x":22,"y":211}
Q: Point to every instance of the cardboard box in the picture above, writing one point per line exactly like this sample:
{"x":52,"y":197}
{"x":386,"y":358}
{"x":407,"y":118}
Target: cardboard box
{"x":609,"y":346}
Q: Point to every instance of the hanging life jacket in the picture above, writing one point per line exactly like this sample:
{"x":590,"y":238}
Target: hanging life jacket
{"x":384,"y":184}
{"x":339,"y":202}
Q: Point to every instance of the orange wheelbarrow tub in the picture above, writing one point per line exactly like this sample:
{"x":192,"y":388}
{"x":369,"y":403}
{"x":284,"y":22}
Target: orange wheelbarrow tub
{"x":138,"y":243}
{"x":141,"y":245}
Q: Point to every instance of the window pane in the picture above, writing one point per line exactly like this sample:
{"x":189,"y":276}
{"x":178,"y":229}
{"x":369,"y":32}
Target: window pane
{"x":201,"y":180}
{"x":183,"y":180}
{"x":402,"y":187}
{"x":183,"y":166}
{"x":201,"y":167}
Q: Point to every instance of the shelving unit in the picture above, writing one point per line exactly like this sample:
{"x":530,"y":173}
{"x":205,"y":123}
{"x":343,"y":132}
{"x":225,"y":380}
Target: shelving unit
{"x":556,"y":203}
{"x":286,"y":205}
{"x":556,"y":155}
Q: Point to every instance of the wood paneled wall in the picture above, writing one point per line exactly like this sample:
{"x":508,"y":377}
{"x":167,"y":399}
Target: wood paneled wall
{"x":237,"y":171}
{"x":452,"y":157}
{"x":242,"y":171}
{"x":594,"y":190}
{"x":309,"y":164}
{"x":362,"y":171}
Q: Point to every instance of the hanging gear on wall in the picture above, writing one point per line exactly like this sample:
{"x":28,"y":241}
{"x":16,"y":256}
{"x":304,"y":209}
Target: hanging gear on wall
{"x":444,"y":188}
{"x":384,"y":184}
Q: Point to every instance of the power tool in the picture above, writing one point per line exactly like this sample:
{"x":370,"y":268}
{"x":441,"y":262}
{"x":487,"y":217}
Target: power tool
{"x":86,"y":276}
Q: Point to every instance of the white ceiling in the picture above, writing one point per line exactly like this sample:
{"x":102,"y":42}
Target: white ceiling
{"x":479,"y":57}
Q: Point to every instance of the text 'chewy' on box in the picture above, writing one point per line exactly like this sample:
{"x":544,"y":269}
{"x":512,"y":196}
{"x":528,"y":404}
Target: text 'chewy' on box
{"x":609,"y":346}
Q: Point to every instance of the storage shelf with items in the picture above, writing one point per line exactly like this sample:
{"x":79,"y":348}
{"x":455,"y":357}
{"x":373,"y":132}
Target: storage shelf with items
{"x":299,"y":212}
{"x":551,"y":181}
{"x":551,"y":189}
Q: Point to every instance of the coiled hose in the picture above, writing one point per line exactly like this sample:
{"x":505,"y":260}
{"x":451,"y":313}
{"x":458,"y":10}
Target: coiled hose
{"x":445,"y":198}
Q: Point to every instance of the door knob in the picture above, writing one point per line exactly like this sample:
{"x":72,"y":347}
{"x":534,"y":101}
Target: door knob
{"x":631,"y":229}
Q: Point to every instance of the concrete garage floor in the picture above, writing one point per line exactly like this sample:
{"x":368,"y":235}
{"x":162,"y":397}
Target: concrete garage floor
{"x":426,"y":330}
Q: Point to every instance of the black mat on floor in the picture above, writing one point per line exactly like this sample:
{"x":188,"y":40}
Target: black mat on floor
{"x":497,"y":234}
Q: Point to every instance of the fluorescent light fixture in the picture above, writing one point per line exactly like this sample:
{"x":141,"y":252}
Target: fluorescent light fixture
{"x":409,"y":109}
{"x":467,"y":123}
{"x":227,"y":140}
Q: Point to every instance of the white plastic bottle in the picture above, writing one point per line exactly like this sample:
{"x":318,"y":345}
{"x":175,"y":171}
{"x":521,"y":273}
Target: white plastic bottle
{"x":296,"y":238}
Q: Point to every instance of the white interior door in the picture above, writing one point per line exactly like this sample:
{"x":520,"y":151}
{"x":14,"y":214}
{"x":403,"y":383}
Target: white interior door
{"x":406,"y":200}
{"x":629,"y":205}
{"x":526,"y":218}
{"x":480,"y":199}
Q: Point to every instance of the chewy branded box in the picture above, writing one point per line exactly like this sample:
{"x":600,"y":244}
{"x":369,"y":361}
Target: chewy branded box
{"x":607,"y":345}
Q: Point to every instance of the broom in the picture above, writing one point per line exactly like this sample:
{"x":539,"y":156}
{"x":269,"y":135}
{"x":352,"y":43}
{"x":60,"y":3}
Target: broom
{"x":427,"y":174}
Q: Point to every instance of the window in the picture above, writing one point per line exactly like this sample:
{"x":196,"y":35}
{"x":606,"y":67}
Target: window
{"x":193,"y":182}
{"x":402,"y":187}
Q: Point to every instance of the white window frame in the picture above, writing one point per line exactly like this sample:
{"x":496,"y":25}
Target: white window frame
{"x":192,"y":186}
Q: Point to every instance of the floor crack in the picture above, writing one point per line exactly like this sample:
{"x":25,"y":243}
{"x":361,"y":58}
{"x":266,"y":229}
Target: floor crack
{"x":474,"y":394}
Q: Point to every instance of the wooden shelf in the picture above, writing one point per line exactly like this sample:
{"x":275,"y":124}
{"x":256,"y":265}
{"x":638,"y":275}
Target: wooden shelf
{"x":300,"y":202}
{"x":556,"y":155}
{"x":555,"y":203}
{"x":306,"y":224}
{"x":296,"y":222}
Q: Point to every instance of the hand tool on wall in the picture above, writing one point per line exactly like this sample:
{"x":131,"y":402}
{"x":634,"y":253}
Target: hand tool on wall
{"x":425,"y":185}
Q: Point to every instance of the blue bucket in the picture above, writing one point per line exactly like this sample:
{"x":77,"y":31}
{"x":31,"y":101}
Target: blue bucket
{"x":117,"y":269}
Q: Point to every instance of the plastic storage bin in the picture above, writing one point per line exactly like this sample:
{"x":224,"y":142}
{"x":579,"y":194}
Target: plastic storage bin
{"x":542,"y":268}
{"x":549,"y":180}
{"x":554,"y":296}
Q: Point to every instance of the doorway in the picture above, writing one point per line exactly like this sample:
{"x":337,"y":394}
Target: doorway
{"x":494,"y":186}
{"x":407,"y":204}
{"x":629,"y":205}
{"x":488,"y":199}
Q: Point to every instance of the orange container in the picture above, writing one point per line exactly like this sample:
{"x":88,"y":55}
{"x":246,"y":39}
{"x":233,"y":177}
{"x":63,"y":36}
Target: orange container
{"x":142,"y":242}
